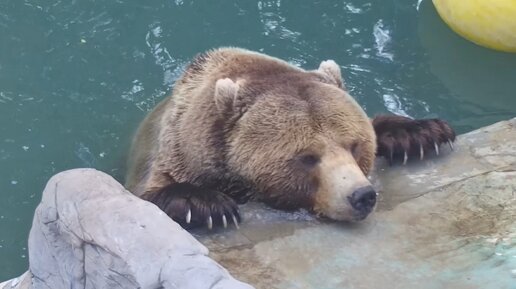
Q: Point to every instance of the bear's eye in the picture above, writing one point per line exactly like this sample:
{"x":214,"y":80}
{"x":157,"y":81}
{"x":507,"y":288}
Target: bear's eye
{"x":309,"y":160}
{"x":355,"y":149}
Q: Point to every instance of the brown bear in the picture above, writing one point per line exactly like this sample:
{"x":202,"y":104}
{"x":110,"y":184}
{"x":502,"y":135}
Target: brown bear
{"x":242,"y":126}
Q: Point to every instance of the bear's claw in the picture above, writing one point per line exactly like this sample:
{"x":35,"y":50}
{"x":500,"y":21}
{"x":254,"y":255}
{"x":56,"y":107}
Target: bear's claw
{"x":192,"y":206}
{"x":224,"y":221}
{"x":209,"y":222}
{"x":403,"y":138}
{"x":188,"y":216}
{"x":235,"y":221}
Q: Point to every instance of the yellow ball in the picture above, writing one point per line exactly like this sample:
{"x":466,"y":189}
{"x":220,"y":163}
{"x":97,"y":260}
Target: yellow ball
{"x":489,"y":23}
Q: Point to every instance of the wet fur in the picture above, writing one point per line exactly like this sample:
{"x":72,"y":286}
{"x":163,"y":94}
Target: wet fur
{"x":192,"y":153}
{"x":398,"y":136}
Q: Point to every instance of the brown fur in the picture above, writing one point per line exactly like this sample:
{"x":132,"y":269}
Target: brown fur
{"x":252,"y":126}
{"x":398,"y":135}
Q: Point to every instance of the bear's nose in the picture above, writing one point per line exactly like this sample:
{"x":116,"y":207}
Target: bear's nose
{"x":363,"y":200}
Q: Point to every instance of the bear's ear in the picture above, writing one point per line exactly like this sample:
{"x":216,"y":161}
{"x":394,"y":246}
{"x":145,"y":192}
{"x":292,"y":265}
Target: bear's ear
{"x":331,"y":70}
{"x":226,"y":92}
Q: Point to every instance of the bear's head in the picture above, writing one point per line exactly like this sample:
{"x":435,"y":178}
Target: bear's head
{"x":300,"y":139}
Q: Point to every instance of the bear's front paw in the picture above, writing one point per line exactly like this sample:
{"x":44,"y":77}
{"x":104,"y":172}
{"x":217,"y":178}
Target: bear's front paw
{"x":402,"y":138}
{"x":192,"y":206}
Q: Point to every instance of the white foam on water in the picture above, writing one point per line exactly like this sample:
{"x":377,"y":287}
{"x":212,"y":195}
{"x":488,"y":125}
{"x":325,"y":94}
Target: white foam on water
{"x":4,"y":98}
{"x":273,"y":25}
{"x":85,"y":155}
{"x":160,"y":53}
{"x":425,"y":105}
{"x":356,"y":67}
{"x":353,"y":9}
{"x":273,"y":22}
{"x":170,"y":75}
{"x":172,"y":69}
{"x":393,"y":104}
{"x":134,"y":91}
{"x":299,"y":62}
{"x":382,"y":38}
{"x":418,"y":4}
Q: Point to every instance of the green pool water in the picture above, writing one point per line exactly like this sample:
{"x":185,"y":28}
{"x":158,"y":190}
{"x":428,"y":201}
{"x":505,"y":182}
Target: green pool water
{"x":76,"y":77}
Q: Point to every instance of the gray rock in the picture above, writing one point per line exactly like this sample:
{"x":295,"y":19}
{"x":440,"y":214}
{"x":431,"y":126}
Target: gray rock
{"x":89,"y":232}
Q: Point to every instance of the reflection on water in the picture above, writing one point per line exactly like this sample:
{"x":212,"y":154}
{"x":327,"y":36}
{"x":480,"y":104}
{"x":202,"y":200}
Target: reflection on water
{"x":76,"y":77}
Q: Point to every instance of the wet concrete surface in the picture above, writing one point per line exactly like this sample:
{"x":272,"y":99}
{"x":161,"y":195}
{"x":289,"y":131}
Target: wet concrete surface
{"x":446,"y":222}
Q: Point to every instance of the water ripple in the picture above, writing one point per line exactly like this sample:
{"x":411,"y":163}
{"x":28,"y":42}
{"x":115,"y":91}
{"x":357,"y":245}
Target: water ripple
{"x":382,"y":38}
{"x":162,"y":56}
{"x":85,"y":155}
{"x":353,"y":9}
{"x":273,"y":25}
{"x":394,"y":104}
{"x":171,"y":67}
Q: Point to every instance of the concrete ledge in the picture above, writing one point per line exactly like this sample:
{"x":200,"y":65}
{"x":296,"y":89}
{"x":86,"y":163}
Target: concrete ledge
{"x":478,"y":152}
{"x":445,"y":222}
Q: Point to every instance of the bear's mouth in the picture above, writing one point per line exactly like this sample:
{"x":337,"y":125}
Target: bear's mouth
{"x":353,"y":216}
{"x":360,"y":215}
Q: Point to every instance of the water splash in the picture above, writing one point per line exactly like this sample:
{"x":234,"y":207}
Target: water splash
{"x":418,"y":4}
{"x":85,"y":155}
{"x":4,"y":98}
{"x":382,"y":38}
{"x":134,"y":92}
{"x":393,"y":104}
{"x":161,"y":55}
{"x":273,"y":22}
{"x":353,"y":9}
{"x":273,"y":25}
{"x":356,"y":67}
{"x":172,"y":69}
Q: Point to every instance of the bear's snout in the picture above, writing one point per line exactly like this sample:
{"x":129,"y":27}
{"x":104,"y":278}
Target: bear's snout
{"x":363,"y":201}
